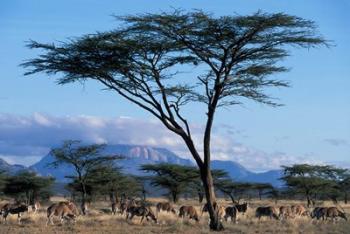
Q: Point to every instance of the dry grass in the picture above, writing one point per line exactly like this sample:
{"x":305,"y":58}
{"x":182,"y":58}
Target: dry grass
{"x":99,"y":220}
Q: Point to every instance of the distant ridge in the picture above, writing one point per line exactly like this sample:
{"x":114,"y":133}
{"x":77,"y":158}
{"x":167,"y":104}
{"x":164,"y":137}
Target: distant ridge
{"x":10,"y":169}
{"x":136,"y":155}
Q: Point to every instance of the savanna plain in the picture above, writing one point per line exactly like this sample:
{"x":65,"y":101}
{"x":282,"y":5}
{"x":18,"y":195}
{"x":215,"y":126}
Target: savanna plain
{"x":100,"y":220}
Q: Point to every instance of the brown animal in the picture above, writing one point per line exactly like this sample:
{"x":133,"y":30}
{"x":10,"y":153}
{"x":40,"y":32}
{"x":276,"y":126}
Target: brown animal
{"x":125,"y":204}
{"x":13,"y":209}
{"x":285,"y":212}
{"x":205,"y":207}
{"x":35,"y":207}
{"x":334,"y":213}
{"x":319,"y":212}
{"x":62,"y":210}
{"x":189,"y":211}
{"x":165,"y":206}
{"x":269,"y":211}
{"x":299,"y":210}
{"x":71,"y":206}
{"x":143,"y":211}
{"x":231,"y":212}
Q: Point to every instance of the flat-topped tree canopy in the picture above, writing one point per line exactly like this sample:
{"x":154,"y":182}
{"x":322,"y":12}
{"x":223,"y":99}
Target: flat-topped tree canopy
{"x":141,"y":60}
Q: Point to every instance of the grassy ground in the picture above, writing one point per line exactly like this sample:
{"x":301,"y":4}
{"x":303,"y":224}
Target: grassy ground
{"x":99,"y":220}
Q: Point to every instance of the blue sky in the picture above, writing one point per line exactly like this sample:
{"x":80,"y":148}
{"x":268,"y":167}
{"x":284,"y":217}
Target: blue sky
{"x":313,"y":126}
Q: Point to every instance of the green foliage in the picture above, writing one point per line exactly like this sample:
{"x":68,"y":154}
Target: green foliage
{"x":86,"y":161}
{"x":235,"y":190}
{"x":314,"y":181}
{"x":134,"y":58}
{"x":28,"y":185}
{"x":174,"y":178}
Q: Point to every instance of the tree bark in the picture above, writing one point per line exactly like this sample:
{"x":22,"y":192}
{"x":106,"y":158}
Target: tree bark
{"x":346,"y":198}
{"x":232,"y":198}
{"x":308,"y":201}
{"x":83,"y":199}
{"x":200,"y":196}
{"x":208,"y":185}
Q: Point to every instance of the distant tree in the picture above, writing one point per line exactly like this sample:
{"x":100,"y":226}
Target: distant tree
{"x":3,"y":176}
{"x":172,"y":177}
{"x":312,"y":180}
{"x":261,"y":188}
{"x":141,"y":61}
{"x":274,"y":193}
{"x":344,"y":187}
{"x":109,"y":179}
{"x":28,"y":185}
{"x":234,"y":190}
{"x":84,"y":159}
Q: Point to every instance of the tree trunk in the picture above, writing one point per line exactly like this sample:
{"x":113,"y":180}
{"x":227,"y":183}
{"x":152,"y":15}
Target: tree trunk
{"x":346,"y":198}
{"x":83,"y":199}
{"x":208,"y":185}
{"x":200,"y":196}
{"x":112,"y":197}
{"x":144,"y":194}
{"x":174,"y":195}
{"x":232,"y":198}
{"x":309,"y":202}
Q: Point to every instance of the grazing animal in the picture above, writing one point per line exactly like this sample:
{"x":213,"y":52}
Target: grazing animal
{"x":165,"y":206}
{"x":231,"y":212}
{"x":285,"y":212}
{"x":114,"y":208}
{"x":125,"y":204}
{"x":143,"y":211}
{"x":205,"y":207}
{"x":84,"y":208}
{"x":71,"y":206}
{"x":334,"y":213}
{"x":269,"y":211}
{"x":242,"y":208}
{"x":189,"y":211}
{"x":299,"y":210}
{"x":319,"y":212}
{"x":35,"y":207}
{"x":221,"y":212}
{"x":13,"y":209}
{"x":62,"y":210}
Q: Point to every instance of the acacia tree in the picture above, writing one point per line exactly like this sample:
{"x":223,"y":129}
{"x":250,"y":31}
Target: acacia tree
{"x":313,"y":180}
{"x":235,"y":190}
{"x":84,"y":159}
{"x":143,"y":58}
{"x":261,"y":187}
{"x":28,"y":185}
{"x":108,"y":179}
{"x":174,"y":178}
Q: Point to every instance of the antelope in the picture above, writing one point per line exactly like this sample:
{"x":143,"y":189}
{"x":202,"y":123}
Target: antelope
{"x":189,"y":211}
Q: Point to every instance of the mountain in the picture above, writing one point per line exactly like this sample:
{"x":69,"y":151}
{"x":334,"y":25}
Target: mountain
{"x":135,"y":156}
{"x":239,"y":173}
{"x":235,"y":170}
{"x":10,"y":169}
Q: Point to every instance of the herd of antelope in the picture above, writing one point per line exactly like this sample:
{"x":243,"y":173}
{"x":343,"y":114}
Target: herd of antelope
{"x":67,"y":210}
{"x":132,"y":208}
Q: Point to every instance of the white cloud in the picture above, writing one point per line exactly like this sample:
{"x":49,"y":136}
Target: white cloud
{"x":24,"y":139}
